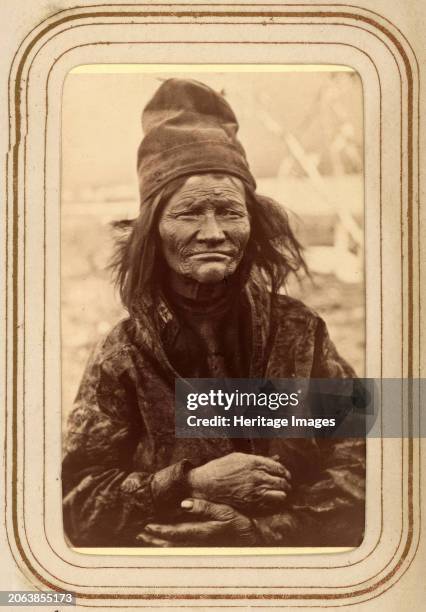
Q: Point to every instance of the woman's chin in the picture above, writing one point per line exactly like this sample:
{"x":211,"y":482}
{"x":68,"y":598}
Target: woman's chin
{"x":211,"y":272}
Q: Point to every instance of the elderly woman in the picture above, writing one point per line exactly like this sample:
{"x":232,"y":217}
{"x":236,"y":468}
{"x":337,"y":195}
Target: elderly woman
{"x":200,"y":272}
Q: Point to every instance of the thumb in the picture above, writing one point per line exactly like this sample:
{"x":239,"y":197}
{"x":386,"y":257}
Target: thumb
{"x":205,"y":509}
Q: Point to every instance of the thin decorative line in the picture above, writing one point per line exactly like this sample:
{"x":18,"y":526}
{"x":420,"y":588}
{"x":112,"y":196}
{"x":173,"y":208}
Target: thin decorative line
{"x":245,"y":567}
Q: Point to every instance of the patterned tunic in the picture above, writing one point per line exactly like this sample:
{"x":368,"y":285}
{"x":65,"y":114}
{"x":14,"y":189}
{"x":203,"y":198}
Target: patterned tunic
{"x":123,"y":466}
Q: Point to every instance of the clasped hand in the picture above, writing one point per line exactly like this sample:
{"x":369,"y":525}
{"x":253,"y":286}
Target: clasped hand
{"x":208,"y":524}
{"x":223,"y":491}
{"x":248,"y":483}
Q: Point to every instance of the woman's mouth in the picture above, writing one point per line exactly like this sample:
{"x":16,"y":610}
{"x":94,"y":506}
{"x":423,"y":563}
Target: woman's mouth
{"x":211,"y":256}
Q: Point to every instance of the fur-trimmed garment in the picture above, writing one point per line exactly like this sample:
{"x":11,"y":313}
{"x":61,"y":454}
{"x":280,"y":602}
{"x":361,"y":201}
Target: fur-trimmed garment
{"x":123,"y":466}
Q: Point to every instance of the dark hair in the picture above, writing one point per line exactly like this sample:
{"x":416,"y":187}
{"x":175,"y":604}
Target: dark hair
{"x":272,"y":247}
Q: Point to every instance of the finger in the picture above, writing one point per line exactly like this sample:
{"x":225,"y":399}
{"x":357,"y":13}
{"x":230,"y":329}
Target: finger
{"x":207,"y":510}
{"x":161,"y":531}
{"x":177,"y":533}
{"x":274,"y":467}
{"x":275,"y":497}
{"x":150,"y":540}
{"x":274,"y":482}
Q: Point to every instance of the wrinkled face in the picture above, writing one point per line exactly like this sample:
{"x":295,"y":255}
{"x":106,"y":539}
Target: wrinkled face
{"x":204,"y":228}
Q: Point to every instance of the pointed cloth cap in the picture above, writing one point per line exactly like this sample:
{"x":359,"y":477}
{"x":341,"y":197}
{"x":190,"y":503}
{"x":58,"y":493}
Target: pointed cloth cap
{"x":189,"y":129}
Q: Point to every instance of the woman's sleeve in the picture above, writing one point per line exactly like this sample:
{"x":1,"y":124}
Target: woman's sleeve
{"x":105,"y":502}
{"x":328,"y":507}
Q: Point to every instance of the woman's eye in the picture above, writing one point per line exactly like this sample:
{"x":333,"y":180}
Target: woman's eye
{"x":187,"y":215}
{"x":231,"y":214}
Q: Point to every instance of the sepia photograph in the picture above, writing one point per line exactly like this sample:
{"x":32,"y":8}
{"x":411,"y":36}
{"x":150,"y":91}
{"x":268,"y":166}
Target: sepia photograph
{"x":212,"y":227}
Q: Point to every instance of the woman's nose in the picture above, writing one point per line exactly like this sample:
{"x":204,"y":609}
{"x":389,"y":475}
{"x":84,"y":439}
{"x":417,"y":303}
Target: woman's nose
{"x":210,"y":230}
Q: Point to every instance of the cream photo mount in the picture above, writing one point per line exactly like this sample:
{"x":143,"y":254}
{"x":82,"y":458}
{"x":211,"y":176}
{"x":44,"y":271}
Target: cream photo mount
{"x":241,"y":36}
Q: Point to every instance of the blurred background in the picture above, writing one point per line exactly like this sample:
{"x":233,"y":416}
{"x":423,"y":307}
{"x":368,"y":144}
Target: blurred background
{"x":302,"y":129}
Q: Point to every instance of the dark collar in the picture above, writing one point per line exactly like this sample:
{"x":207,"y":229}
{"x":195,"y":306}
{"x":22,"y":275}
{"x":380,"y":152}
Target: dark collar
{"x":156,"y":323}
